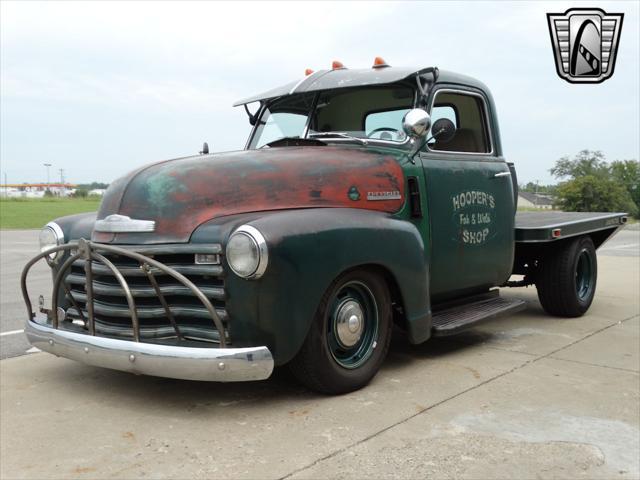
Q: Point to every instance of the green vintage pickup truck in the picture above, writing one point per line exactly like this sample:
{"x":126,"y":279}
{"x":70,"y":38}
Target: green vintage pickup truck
{"x":364,"y":199}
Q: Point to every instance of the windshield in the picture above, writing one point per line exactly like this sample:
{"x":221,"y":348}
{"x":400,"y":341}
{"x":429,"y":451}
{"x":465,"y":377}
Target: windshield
{"x":353,"y":114}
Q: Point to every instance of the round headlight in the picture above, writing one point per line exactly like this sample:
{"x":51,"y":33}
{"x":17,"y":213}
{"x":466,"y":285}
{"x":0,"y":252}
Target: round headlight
{"x":247,"y":252}
{"x":51,"y":236}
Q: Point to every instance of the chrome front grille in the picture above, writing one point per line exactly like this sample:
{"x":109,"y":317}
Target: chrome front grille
{"x":111,"y":311}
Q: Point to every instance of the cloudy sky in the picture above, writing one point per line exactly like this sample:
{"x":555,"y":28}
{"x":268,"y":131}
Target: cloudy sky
{"x":100,"y":88}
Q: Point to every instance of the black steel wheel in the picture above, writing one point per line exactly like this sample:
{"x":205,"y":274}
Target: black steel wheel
{"x":349,"y":337}
{"x":567,"y":280}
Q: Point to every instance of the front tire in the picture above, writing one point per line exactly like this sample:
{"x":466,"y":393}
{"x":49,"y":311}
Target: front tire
{"x":349,"y":337}
{"x":567,"y":280}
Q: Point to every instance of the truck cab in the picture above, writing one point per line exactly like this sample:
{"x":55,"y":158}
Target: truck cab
{"x":365,"y":199}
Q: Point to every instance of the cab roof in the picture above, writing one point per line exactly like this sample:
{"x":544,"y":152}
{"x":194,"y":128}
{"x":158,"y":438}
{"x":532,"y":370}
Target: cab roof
{"x":345,"y":78}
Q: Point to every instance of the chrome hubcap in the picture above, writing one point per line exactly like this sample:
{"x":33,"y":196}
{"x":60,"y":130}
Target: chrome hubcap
{"x":349,"y":323}
{"x":352,"y":330}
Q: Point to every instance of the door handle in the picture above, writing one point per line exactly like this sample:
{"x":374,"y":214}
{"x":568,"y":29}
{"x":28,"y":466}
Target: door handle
{"x":502,"y":174}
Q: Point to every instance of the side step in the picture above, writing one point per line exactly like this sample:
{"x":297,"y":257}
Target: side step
{"x":459,"y":318}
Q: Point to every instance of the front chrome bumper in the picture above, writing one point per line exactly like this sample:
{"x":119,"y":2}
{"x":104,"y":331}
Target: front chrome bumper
{"x":188,"y":363}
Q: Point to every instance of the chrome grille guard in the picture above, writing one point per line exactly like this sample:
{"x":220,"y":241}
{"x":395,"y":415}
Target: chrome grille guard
{"x":183,"y":360}
{"x":90,"y":251}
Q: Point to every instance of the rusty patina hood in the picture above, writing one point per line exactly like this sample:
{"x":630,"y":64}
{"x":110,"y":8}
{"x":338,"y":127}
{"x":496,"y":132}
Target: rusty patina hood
{"x":183,"y":193}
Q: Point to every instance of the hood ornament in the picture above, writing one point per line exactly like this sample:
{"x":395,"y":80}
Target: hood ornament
{"x":122,"y":224}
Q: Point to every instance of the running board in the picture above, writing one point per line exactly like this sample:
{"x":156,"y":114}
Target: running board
{"x":462,"y":317}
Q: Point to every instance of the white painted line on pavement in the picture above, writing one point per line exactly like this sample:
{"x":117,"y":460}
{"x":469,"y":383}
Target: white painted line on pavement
{"x":33,"y":350}
{"x":11,"y":332}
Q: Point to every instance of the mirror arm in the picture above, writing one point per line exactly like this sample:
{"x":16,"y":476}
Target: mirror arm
{"x":425,"y":90}
{"x":252,"y":117}
{"x":427,"y":140}
{"x":416,"y":149}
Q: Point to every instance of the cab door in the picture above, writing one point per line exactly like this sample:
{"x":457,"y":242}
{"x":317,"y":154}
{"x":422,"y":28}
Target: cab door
{"x":470,"y":199}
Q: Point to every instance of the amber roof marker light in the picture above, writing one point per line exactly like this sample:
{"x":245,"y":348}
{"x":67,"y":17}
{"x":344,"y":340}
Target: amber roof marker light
{"x":336,"y":65}
{"x":379,"y":62}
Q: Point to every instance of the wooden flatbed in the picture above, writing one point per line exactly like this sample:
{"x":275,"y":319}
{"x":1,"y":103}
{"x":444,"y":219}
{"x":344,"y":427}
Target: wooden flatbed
{"x":549,"y":226}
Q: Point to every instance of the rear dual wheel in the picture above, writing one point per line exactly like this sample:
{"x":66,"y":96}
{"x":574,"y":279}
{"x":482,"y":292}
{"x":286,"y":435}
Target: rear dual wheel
{"x":567,"y":280}
{"x":349,"y":337}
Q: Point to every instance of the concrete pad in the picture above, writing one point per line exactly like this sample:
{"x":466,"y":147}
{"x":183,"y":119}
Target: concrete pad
{"x":532,"y":332}
{"x":618,"y":288}
{"x":548,"y":419}
{"x":486,"y":404}
{"x":615,"y":347}
{"x":535,"y":332}
{"x":17,"y":248}
{"x":89,"y":422}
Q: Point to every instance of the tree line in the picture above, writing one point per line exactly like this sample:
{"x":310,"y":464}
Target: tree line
{"x":588,"y":183}
{"x":83,"y":189}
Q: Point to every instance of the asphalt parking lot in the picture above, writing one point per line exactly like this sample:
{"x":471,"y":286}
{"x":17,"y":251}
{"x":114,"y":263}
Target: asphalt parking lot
{"x":529,"y":396}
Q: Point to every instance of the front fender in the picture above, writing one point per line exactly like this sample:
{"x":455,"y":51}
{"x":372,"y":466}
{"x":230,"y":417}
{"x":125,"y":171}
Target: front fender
{"x":308,"y":249}
{"x":77,"y":226}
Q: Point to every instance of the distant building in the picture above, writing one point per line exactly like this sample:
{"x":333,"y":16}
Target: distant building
{"x":97,"y":191}
{"x":36,"y":190}
{"x":535,"y":200}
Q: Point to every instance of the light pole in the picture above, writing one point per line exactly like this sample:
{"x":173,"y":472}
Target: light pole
{"x":535,"y":199}
{"x":47,"y":165}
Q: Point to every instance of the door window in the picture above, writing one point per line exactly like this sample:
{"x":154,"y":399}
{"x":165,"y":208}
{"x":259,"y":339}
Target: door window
{"x":468,"y":114}
{"x":444,"y":111}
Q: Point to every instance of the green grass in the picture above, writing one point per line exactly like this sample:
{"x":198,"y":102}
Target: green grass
{"x":19,"y":213}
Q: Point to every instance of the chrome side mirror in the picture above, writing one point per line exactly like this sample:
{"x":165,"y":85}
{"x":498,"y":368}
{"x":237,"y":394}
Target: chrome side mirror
{"x":416,"y":123}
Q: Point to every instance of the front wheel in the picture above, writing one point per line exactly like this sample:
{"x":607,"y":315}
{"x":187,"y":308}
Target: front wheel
{"x":567,"y":280}
{"x":349,"y":337}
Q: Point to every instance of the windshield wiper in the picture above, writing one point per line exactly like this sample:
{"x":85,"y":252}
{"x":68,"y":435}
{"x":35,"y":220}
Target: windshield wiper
{"x":339,"y":135}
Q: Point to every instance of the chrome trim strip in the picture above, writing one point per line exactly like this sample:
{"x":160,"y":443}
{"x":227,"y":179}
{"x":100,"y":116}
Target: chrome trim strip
{"x":175,"y":248}
{"x":122,"y":224}
{"x":187,"y":363}
{"x":502,"y":174}
{"x":134,"y":271}
{"x":147,"y":333}
{"x":103,"y":288}
{"x":123,"y":311}
{"x":487,"y":120}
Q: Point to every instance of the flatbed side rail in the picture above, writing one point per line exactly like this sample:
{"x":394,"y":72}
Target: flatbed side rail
{"x":539,"y":227}
{"x":89,"y":251}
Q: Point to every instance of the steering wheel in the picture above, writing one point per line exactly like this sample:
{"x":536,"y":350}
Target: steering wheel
{"x":384,"y":129}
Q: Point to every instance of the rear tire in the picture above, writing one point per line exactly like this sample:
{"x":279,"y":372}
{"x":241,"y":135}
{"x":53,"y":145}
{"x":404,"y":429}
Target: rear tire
{"x":567,"y":279}
{"x":349,"y":337}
